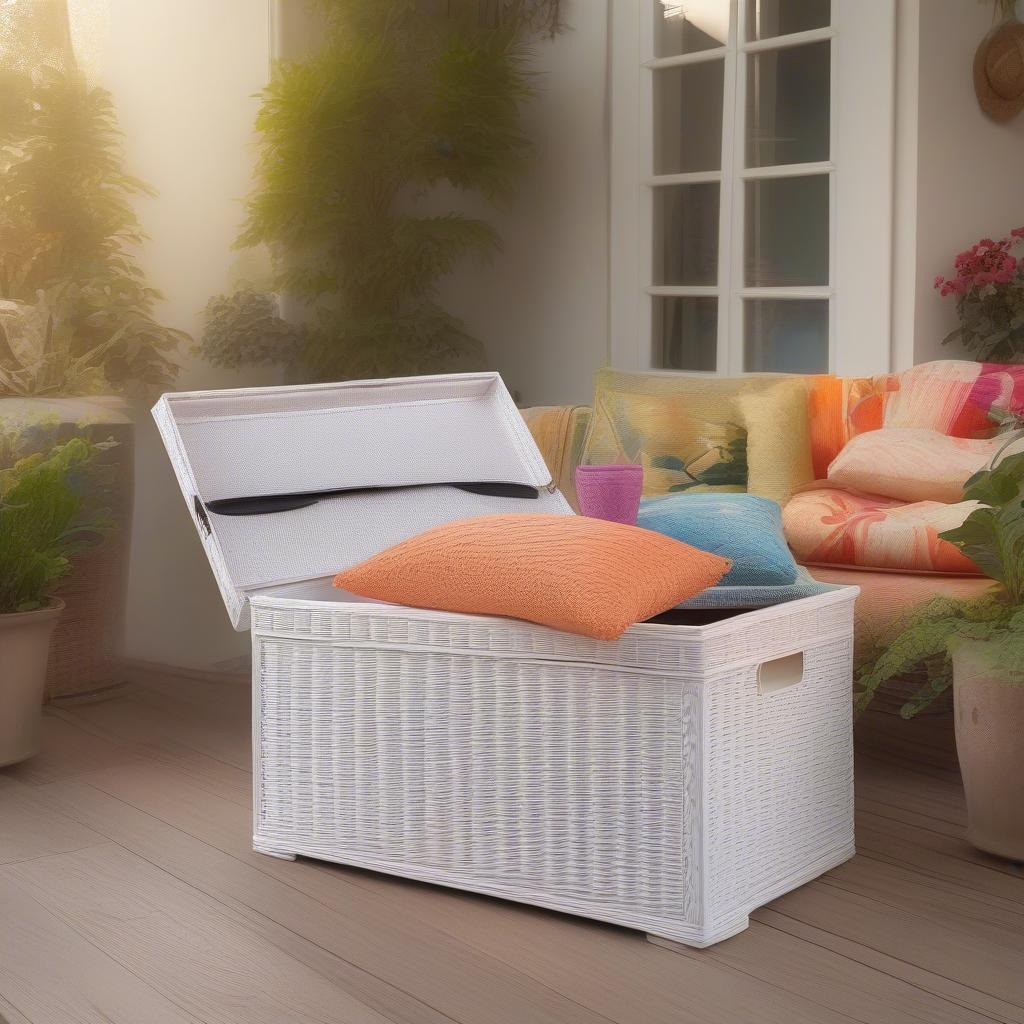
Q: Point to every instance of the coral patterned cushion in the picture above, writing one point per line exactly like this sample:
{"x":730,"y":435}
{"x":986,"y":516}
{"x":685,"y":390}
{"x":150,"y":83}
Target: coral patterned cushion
{"x":912,"y":464}
{"x":952,"y":396}
{"x":825,"y":526}
{"x":580,"y":575}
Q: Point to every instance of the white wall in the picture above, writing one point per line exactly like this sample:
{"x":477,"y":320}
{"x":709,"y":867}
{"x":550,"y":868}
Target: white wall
{"x":184,"y":74}
{"x":969,"y":177}
{"x":541,"y":307}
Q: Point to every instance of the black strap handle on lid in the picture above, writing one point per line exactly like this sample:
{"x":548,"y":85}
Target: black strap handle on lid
{"x":263,"y":504}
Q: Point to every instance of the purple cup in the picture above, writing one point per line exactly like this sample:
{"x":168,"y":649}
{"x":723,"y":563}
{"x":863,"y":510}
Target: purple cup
{"x":610,"y":492}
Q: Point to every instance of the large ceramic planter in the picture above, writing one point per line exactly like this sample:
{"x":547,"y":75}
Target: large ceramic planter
{"x":90,"y":633}
{"x":24,"y":649}
{"x":990,"y":744}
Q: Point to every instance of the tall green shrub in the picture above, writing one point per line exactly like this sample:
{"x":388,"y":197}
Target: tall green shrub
{"x":68,"y":235}
{"x":403,"y":97}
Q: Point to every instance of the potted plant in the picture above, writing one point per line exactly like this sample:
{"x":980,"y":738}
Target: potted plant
{"x":41,"y":526}
{"x":988,"y":282}
{"x":977,"y":647}
{"x":78,"y":333}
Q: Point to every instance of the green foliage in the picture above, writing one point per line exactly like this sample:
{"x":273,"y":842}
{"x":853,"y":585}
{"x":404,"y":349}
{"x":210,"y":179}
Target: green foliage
{"x":67,"y":236}
{"x":42,"y":499}
{"x":245,"y":328}
{"x":992,"y":324}
{"x":993,"y":538}
{"x":404,"y":97}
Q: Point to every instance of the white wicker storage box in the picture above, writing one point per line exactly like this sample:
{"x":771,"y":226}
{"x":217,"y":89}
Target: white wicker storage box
{"x":671,"y":781}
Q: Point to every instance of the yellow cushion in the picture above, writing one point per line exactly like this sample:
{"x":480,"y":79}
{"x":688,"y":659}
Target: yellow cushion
{"x":778,"y":440}
{"x":559,"y":431}
{"x":580,"y":575}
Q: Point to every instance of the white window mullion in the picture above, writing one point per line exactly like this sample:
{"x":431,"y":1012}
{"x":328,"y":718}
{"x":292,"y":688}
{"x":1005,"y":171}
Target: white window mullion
{"x":629,"y":330}
{"x":732,"y":238}
{"x":686,"y":178}
{"x":725,"y":204}
{"x":683,"y":59}
{"x":787,"y":170}
{"x":814,"y":35}
{"x":645,"y":355}
{"x":833,"y":145}
{"x":685,"y":290}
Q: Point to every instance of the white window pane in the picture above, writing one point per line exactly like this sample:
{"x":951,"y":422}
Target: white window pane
{"x":686,"y":234}
{"x":689,"y":26}
{"x":785,"y":335}
{"x":787,"y":224}
{"x":685,"y":332}
{"x":788,"y":105}
{"x":688,"y":118}
{"x":768,"y":18}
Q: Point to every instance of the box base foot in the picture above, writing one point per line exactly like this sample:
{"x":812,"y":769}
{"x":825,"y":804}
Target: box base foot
{"x":701,"y":941}
{"x":268,"y":851}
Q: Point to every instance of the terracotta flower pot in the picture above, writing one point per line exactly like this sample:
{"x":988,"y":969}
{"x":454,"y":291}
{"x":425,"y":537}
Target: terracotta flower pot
{"x":24,"y":649}
{"x":990,"y":744}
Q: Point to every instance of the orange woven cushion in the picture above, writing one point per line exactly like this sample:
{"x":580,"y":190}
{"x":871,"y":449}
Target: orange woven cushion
{"x":580,"y":575}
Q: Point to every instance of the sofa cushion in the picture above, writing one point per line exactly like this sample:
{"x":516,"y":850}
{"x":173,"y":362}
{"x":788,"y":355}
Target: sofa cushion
{"x":686,"y":432}
{"x":887,"y":597}
{"x":827,"y":526}
{"x":778,"y":439}
{"x":559,"y":431}
{"x":690,"y":433}
{"x":951,"y":396}
{"x":912,"y":464}
{"x":580,"y":575}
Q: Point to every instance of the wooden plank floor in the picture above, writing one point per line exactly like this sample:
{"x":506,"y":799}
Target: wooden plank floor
{"x":128,"y":893}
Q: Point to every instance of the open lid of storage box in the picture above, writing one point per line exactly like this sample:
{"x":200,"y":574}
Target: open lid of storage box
{"x":398,"y":450}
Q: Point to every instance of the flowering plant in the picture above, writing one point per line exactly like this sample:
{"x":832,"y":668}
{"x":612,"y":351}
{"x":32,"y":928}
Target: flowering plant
{"x":989,"y":287}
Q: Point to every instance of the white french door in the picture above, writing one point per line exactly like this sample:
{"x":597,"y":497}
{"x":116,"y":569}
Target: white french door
{"x":752,"y":168}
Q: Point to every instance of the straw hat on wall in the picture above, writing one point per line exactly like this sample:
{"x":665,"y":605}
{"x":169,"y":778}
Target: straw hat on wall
{"x":999,"y":71}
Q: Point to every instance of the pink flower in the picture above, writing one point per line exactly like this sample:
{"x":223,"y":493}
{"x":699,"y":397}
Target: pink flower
{"x":1017,"y":232}
{"x":987,"y":243}
{"x":938,"y":281}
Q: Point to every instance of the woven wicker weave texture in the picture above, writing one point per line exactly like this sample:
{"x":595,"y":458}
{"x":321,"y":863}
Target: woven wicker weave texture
{"x":646,"y":782}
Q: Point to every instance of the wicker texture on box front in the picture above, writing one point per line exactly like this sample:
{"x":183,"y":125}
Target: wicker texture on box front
{"x":648,"y":782}
{"x":671,"y":780}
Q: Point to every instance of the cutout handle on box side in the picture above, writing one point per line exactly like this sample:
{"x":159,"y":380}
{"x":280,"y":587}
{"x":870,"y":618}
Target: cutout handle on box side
{"x":780,"y":673}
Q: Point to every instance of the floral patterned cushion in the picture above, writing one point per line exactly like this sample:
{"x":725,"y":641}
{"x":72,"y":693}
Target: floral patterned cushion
{"x":827,"y":526}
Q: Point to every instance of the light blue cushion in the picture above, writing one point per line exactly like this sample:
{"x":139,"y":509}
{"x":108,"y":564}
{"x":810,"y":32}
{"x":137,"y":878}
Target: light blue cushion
{"x":760,"y":597}
{"x":742,"y":527}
